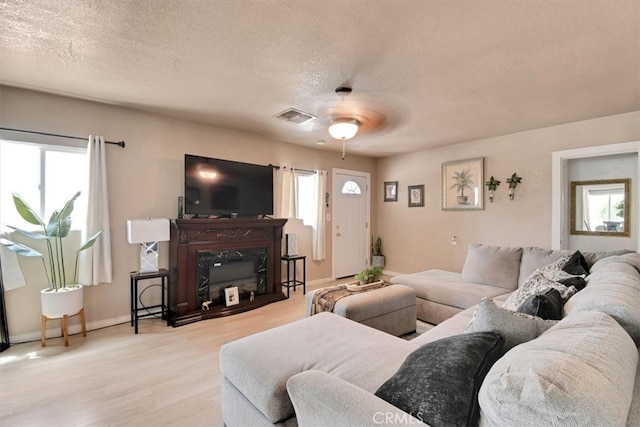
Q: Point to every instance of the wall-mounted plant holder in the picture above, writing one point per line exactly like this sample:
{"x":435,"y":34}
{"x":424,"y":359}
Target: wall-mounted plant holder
{"x":513,"y":183}
{"x":492,"y":185}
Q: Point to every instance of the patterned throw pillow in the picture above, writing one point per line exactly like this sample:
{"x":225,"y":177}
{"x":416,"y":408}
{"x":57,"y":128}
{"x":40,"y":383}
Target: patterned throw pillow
{"x":545,"y":277}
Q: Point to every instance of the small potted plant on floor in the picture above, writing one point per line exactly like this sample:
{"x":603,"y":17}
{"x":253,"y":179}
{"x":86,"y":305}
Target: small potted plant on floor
{"x":377,"y":258}
{"x":63,"y":296}
{"x":369,"y":275}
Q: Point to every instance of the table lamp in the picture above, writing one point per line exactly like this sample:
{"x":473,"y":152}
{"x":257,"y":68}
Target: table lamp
{"x":148,"y":232}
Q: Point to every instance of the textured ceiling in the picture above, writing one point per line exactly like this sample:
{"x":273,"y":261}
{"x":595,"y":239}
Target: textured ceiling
{"x":440,"y":72}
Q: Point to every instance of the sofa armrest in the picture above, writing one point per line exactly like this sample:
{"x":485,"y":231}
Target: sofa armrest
{"x":321,"y":399}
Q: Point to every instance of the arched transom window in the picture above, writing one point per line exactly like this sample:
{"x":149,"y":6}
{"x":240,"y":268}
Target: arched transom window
{"x":351,"y":187}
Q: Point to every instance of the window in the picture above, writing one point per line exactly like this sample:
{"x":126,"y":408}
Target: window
{"x":46,"y":176}
{"x":306,"y":197}
{"x":351,"y":187}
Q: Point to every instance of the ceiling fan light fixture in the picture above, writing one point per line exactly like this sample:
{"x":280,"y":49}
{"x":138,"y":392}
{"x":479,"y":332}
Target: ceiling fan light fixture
{"x":343,"y":129}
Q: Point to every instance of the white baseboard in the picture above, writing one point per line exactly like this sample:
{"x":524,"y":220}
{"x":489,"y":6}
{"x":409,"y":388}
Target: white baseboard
{"x":76,"y":328}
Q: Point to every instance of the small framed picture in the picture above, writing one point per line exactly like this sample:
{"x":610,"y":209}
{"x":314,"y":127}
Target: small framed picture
{"x":231,"y":296}
{"x":391,"y":191}
{"x":416,"y":196}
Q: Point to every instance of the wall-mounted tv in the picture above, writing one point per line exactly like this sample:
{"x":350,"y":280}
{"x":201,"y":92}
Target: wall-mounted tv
{"x":226,"y":188}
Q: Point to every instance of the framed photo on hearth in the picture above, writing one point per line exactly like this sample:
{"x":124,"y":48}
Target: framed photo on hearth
{"x":231,"y":296}
{"x":462,"y":185}
{"x":416,"y":196}
{"x":391,"y":191}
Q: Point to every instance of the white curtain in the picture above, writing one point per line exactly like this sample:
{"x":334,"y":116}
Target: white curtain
{"x":12,"y":277}
{"x":319,"y":226}
{"x":586,"y":212}
{"x":285,"y":189}
{"x":95,"y":263}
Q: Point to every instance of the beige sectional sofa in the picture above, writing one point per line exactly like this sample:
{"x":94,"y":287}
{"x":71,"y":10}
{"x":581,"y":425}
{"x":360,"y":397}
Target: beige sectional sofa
{"x":325,"y":369}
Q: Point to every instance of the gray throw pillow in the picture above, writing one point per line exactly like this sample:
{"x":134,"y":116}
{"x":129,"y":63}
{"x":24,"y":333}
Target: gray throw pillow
{"x":516,"y":328}
{"x":439,"y":382}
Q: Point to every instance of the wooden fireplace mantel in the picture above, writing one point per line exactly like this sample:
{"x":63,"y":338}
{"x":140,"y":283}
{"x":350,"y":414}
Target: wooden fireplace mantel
{"x":188,"y":236}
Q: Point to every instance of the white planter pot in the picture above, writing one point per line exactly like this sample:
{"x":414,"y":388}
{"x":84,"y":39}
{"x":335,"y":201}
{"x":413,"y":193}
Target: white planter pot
{"x":66,"y":301}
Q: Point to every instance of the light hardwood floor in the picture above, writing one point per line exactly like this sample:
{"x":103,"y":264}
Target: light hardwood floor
{"x":162,"y":376}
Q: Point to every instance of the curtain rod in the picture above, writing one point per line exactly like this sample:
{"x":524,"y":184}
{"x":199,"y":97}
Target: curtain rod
{"x":33,"y":132}
{"x":298,"y":169}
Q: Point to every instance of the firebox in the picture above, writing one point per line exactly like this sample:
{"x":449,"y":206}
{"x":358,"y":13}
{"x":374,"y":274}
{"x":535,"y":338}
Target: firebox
{"x":244,"y":268}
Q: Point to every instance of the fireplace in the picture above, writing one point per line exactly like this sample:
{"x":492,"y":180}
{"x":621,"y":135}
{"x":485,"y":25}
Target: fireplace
{"x":244,"y":268}
{"x":206,"y":256}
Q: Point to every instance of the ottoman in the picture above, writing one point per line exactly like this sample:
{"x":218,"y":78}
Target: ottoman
{"x":391,"y":309}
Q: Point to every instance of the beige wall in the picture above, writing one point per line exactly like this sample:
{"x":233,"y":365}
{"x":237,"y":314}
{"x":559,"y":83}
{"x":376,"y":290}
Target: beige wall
{"x":145,"y":180}
{"x":416,"y":239}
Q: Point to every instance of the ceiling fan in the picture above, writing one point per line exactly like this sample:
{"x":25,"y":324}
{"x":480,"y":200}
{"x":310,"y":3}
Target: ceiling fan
{"x":345,"y":119}
{"x":349,"y":118}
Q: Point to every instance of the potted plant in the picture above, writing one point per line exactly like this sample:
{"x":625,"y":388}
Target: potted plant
{"x":369,"y":275}
{"x":63,"y":296}
{"x":619,"y":207}
{"x":462,"y":180}
{"x":377,"y":258}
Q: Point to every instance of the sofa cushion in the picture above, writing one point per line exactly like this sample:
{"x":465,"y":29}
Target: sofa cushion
{"x":632,"y":259}
{"x":578,"y":373}
{"x":492,"y":266}
{"x":440,"y":380}
{"x":593,"y":257}
{"x":613,"y":287}
{"x":534,"y":258}
{"x":446,"y":287}
{"x":546,"y":304}
{"x":516,"y":328}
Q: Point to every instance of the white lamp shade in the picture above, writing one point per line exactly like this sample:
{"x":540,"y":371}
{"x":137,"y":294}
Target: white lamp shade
{"x":343,"y":129}
{"x":147,"y":230}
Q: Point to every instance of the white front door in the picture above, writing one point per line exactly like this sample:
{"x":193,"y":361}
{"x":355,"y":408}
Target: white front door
{"x":350,"y":222}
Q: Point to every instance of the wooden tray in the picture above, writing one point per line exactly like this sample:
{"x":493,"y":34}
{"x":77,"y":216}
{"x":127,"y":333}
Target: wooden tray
{"x":355,"y":287}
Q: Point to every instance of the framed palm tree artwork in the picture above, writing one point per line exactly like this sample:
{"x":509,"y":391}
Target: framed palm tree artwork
{"x":462,"y":184}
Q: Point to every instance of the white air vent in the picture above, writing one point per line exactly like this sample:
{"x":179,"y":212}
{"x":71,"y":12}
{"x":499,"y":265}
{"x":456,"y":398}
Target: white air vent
{"x":295,"y":116}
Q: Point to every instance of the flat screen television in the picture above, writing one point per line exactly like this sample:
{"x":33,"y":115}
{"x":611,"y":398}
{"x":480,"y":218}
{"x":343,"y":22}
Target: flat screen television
{"x":226,"y":188}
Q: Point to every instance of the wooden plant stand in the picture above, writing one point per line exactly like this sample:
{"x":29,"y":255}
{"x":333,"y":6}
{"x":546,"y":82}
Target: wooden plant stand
{"x":63,"y":326}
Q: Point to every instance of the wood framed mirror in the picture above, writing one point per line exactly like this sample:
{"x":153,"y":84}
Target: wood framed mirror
{"x":601,"y":207}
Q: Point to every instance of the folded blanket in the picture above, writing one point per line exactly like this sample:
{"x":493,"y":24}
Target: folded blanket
{"x":325,"y":299}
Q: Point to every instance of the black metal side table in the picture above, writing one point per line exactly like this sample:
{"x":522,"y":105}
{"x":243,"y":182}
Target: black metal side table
{"x":292,"y":259}
{"x":164,"y":304}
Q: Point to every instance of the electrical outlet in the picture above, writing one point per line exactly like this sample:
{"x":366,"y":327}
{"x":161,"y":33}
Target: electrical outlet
{"x":454,"y":240}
